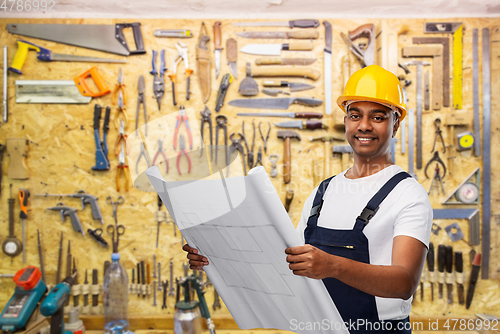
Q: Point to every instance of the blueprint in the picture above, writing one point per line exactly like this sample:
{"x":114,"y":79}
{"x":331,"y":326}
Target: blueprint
{"x":241,"y":226}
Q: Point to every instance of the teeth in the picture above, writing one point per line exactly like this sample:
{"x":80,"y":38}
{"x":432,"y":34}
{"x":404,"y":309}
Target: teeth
{"x":364,"y":139}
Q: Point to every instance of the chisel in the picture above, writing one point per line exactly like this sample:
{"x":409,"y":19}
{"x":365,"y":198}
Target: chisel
{"x":430,"y":267}
{"x":86,"y":296}
{"x":474,"y":274}
{"x":68,"y":266}
{"x":59,"y":261}
{"x":76,"y":298}
{"x":143,"y":279}
{"x":138,"y":279}
{"x":95,"y":281}
{"x":441,"y":263}
{"x":459,"y":276}
{"x":5,"y":75}
{"x":449,"y":274}
{"x":40,"y":256}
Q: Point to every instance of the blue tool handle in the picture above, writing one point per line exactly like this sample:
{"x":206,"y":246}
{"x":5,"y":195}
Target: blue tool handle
{"x":101,"y":163}
{"x":55,"y":299}
{"x":153,"y":63}
{"x":162,"y":68}
{"x":97,"y":117}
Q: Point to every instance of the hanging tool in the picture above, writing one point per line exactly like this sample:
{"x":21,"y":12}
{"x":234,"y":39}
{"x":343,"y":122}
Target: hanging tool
{"x":277,"y":103}
{"x":466,"y":192}
{"x":465,"y":141}
{"x":217,"y":46}
{"x":273,"y":158}
{"x":205,"y":118}
{"x":165,"y":286}
{"x":11,"y":245}
{"x":159,"y":276}
{"x":160,"y":150}
{"x":345,"y":151}
{"x":294,"y":86}
{"x":203,"y":63}
{"x":438,"y":134}
{"x":274,"y":92}
{"x":144,"y":282}
{"x":474,"y":273}
{"x":283,"y":71}
{"x":285,"y":61}
{"x":154,"y":257}
{"x":232,"y":56}
{"x":141,"y":154}
{"x":304,"y":34}
{"x":59,"y":260}
{"x":171,"y":290}
{"x":2,"y":151}
{"x":158,"y":81}
{"x":86,"y":295}
{"x":23,"y":195}
{"x":486,"y":152}
{"x":115,"y":230}
{"x":472,"y":215}
{"x":40,"y":256}
{"x":141,"y":99}
{"x":221,"y":94}
{"x":303,"y":125}
{"x":427,"y":96}
{"x":28,"y":292}
{"x":221,"y":121}
{"x":182,"y":55}
{"x":328,"y":67}
{"x":138,"y":270}
{"x":441,"y":265}
{"x":248,"y":86}
{"x":264,"y":140}
{"x":101,"y":150}
{"x":216,"y":305}
{"x":86,"y":199}
{"x":97,"y":236}
{"x":454,"y":232}
{"x":122,"y":168}
{"x":475,"y":92}
{"x":419,"y":65}
{"x":119,"y":88}
{"x":154,"y":293}
{"x":287,"y":135}
{"x":327,"y":140}
{"x":275,"y":49}
{"x":175,"y":33}
{"x":236,"y":146}
{"x":249,"y":150}
{"x":160,"y":217}
{"x":182,"y":149}
{"x":17,"y":149}
{"x":437,"y":178}
{"x":71,"y":212}
{"x":290,"y":24}
{"x":182,"y":118}
{"x":258,"y":161}
{"x":120,"y":115}
{"x":5,"y":104}
{"x":430,"y":267}
{"x":450,"y":279}
{"x":460,"y":277}
{"x":76,"y":298}
{"x":44,"y":54}
{"x":437,"y":159}
{"x":121,"y":139}
{"x":68,"y":266}
{"x":106,"y":38}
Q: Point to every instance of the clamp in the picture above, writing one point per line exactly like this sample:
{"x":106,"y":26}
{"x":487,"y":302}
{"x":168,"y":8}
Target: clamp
{"x":141,"y":88}
{"x":160,"y":150}
{"x":122,"y":168}
{"x":437,"y":159}
{"x":182,"y":50}
{"x":122,"y":137}
{"x":236,"y":145}
{"x":438,"y":133}
{"x":158,"y":82}
{"x":221,"y":121}
{"x":205,"y":117}
{"x":182,"y":117}
{"x":120,"y":88}
{"x":182,"y":149}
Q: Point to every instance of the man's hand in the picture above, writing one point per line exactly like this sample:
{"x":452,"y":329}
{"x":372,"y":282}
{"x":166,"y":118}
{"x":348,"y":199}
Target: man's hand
{"x":195,"y":261}
{"x":309,"y":261}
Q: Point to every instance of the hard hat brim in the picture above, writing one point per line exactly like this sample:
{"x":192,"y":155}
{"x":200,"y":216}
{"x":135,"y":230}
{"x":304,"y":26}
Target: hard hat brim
{"x":343,"y":99}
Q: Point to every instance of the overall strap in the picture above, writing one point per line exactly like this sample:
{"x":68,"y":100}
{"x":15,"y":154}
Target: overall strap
{"x":373,"y":205}
{"x":318,"y":202}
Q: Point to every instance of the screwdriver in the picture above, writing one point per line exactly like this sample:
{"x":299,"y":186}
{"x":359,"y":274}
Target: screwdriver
{"x":24,"y":194}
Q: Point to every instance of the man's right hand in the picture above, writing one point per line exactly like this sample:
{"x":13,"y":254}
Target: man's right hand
{"x":196,"y":261}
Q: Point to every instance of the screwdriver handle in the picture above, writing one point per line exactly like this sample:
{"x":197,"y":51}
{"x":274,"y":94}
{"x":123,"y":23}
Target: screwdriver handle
{"x":430,"y":257}
{"x":449,"y":259}
{"x":441,"y":257}
{"x":24,"y":194}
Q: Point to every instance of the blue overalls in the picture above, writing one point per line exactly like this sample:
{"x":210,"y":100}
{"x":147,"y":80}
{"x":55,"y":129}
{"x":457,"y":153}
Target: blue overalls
{"x":352,"y":304}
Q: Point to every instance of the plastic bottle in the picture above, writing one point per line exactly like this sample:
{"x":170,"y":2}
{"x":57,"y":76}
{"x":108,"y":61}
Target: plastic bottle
{"x":116,"y":298}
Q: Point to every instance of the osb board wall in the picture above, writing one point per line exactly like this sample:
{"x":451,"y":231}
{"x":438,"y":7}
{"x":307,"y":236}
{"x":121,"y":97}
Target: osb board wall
{"x":62,"y":152}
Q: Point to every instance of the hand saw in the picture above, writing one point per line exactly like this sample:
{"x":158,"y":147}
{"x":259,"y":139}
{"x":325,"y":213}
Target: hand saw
{"x":106,"y":38}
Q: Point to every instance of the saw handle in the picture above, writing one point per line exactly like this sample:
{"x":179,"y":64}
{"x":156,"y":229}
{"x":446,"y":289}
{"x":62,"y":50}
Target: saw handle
{"x":136,"y":28}
{"x":365,"y":30}
{"x":298,"y":46}
{"x":81,"y":84}
{"x":23,"y":48}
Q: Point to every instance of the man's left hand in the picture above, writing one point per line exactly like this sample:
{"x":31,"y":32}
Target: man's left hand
{"x":309,"y":261}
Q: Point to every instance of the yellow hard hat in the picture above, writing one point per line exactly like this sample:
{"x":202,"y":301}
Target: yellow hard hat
{"x":375,"y":84}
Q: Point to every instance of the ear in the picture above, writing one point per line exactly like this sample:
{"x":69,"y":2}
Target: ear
{"x":395,"y":127}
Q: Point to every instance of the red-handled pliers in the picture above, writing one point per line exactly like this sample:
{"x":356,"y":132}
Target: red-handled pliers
{"x":160,"y":150}
{"x":182,"y":147}
{"x":182,"y":117}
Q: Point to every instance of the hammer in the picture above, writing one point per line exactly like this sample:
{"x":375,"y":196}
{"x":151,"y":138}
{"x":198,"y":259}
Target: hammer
{"x":345,"y":150}
{"x":327,"y":140}
{"x":287,"y":154}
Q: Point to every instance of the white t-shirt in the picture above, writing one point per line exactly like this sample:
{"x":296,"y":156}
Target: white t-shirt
{"x":405,"y":211}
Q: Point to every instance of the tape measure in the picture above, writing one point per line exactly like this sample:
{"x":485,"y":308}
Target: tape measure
{"x":467,"y":193}
{"x":465,"y":141}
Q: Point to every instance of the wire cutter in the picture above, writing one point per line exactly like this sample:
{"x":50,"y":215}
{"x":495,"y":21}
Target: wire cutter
{"x":142,"y":154}
{"x":182,"y":117}
{"x":182,"y":54}
{"x":141,"y":87}
{"x":160,"y":150}
{"x":122,"y":168}
{"x":122,"y":137}
{"x":158,"y":82}
{"x":120,"y":88}
{"x":438,"y":133}
{"x":120,"y":111}
{"x":236,"y":145}
{"x":437,"y":159}
{"x":182,"y":149}
{"x":205,"y":117}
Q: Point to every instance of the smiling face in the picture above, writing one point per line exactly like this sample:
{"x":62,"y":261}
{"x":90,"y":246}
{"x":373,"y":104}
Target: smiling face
{"x":369,"y":127}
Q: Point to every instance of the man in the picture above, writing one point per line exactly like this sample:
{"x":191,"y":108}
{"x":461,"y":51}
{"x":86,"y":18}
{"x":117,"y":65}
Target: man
{"x":366,"y":230}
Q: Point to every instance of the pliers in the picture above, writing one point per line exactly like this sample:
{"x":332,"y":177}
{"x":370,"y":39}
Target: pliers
{"x":259,"y":157}
{"x":120,"y":87}
{"x":141,"y":87}
{"x":205,"y":117}
{"x":236,"y":145}
{"x":249,"y":150}
{"x":267,"y":136}
{"x":438,"y":133}
{"x":122,"y":137}
{"x":182,"y":117}
{"x":143,"y":153}
{"x":120,"y":111}
{"x":182,"y":50}
{"x":221,"y":121}
{"x":182,"y":149}
{"x":158,"y":82}
{"x":437,"y":159}
{"x":122,"y":168}
{"x":160,"y":150}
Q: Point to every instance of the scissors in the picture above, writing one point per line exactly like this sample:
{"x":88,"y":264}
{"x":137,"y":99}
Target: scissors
{"x":116,"y":229}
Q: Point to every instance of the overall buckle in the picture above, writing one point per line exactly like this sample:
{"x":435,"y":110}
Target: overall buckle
{"x":367,"y":214}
